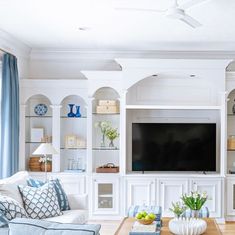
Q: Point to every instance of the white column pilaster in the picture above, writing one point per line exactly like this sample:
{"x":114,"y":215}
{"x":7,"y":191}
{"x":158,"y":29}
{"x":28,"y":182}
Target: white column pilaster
{"x":89,"y":136}
{"x":22,"y":154}
{"x":122,"y":155}
{"x":56,"y":137}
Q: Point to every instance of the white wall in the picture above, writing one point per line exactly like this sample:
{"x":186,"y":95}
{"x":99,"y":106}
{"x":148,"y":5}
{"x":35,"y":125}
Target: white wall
{"x":17,"y":48}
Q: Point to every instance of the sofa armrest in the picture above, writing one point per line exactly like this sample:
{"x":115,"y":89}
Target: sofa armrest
{"x":78,"y":201}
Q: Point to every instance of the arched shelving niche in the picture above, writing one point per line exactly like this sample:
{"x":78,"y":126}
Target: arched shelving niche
{"x":104,"y":154}
{"x":73,"y":136}
{"x":38,"y":124}
{"x":141,"y":91}
{"x":231,"y":132}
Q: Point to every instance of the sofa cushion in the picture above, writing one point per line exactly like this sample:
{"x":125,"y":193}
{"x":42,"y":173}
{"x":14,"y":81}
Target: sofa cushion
{"x":9,"y":186}
{"x":61,"y":195}
{"x":38,"y":227}
{"x":10,"y":209}
{"x":71,"y":216}
{"x":40,"y":202}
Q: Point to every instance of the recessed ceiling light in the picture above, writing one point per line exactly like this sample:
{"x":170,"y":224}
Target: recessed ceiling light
{"x":83,"y":28}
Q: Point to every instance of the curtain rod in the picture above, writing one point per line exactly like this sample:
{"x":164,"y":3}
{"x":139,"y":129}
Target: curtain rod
{"x":4,"y":51}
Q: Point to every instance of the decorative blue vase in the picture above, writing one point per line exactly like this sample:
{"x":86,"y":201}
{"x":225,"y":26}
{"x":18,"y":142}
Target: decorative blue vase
{"x":78,"y":114}
{"x":71,"y":114}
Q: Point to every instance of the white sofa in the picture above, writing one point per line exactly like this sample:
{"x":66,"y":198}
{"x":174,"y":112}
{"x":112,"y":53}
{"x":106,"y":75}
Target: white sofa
{"x":78,"y":203}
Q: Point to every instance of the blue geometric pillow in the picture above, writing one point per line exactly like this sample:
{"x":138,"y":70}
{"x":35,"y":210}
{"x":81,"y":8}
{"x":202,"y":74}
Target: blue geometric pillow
{"x":61,"y":195}
{"x":3,"y":220}
{"x":10,"y":209}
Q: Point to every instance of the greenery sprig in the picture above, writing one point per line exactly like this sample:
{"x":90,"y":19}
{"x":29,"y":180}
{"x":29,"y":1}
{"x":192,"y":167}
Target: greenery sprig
{"x":195,"y":200}
{"x":178,"y":208}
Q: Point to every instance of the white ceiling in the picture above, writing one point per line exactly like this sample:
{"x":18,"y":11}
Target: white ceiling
{"x":55,"y":23}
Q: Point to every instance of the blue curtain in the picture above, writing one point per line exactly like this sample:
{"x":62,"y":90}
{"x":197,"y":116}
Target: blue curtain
{"x":9,"y":148}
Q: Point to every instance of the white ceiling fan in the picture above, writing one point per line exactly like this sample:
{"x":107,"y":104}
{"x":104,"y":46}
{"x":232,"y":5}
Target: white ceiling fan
{"x":176,"y":11}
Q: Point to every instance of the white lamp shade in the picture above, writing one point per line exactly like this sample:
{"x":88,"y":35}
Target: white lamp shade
{"x":45,"y":149}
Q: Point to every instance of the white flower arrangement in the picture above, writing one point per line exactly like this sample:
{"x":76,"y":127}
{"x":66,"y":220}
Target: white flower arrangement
{"x":104,"y":126}
{"x":44,"y":159}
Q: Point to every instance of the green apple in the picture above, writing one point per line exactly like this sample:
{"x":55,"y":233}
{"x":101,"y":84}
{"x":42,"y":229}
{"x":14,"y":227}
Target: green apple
{"x":147,"y":217}
{"x":138,"y":216}
{"x":152,"y":216}
{"x":144,"y":213}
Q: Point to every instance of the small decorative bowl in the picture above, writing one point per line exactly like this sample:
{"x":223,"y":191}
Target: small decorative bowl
{"x":145,"y":221}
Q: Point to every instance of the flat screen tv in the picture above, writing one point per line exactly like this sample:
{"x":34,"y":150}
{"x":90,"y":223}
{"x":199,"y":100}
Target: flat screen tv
{"x":174,"y":147}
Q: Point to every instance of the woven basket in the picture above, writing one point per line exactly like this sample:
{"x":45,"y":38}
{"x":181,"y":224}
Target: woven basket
{"x":34,"y":164}
{"x":145,"y":222}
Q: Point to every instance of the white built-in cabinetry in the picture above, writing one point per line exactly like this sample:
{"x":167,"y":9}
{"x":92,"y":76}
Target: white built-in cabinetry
{"x":164,"y":191}
{"x":182,"y":91}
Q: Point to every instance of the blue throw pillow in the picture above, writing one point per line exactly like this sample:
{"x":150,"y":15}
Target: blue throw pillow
{"x":3,"y":221}
{"x":61,"y":195}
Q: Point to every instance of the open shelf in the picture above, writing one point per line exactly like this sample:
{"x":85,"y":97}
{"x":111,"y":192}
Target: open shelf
{"x":176,"y":107}
{"x":66,"y":117}
{"x":63,"y":148}
{"x":33,"y":116}
{"x":106,"y":113}
{"x":105,"y":149}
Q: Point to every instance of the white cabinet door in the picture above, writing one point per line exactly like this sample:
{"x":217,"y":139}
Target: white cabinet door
{"x":105,"y":196}
{"x":213,"y":189}
{"x":231,"y":197}
{"x":140,"y":191}
{"x":170,"y":190}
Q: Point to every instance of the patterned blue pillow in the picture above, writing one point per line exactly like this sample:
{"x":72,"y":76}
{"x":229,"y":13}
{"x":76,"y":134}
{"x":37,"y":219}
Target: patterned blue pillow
{"x":3,"y":220}
{"x":10,"y":209}
{"x":61,"y":195}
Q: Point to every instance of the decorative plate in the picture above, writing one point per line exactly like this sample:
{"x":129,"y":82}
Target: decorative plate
{"x":40,"y":109}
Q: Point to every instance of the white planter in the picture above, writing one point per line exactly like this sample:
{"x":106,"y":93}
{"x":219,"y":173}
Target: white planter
{"x":187,"y":226}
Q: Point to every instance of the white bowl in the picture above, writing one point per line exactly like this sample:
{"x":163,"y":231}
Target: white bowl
{"x":186,"y":226}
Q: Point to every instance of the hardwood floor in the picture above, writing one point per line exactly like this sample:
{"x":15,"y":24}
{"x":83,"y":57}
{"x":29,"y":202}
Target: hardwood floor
{"x":109,"y":227}
{"x":228,"y":228}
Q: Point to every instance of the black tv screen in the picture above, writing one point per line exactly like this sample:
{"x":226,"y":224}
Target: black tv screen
{"x":173,"y":147}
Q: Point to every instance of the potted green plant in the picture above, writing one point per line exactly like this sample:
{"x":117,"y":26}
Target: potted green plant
{"x":112,"y":134}
{"x":178,"y":209}
{"x":194,"y":201}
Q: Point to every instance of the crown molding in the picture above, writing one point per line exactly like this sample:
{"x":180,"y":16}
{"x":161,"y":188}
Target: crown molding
{"x":13,"y":45}
{"x":75,"y":54}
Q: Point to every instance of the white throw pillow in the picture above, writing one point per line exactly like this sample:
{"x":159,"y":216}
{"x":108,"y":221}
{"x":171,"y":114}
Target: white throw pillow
{"x":9,"y":186}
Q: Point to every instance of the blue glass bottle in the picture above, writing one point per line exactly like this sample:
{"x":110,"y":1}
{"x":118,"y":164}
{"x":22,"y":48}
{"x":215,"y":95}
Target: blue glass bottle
{"x":71,"y":114}
{"x":78,"y":114}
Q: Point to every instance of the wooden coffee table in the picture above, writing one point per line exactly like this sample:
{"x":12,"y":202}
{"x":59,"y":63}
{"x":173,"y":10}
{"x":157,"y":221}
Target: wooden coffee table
{"x":126,"y":225}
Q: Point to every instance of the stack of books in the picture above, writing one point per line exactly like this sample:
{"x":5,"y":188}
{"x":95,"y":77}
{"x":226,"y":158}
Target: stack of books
{"x":141,"y":229}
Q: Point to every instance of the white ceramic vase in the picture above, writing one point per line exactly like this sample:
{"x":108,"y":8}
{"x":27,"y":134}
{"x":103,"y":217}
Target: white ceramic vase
{"x":187,"y":226}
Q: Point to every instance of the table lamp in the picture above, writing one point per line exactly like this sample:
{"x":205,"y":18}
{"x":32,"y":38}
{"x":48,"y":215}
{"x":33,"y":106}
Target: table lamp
{"x":45,"y":149}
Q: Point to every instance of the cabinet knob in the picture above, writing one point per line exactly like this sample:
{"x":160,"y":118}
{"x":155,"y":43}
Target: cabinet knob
{"x":161,"y":183}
